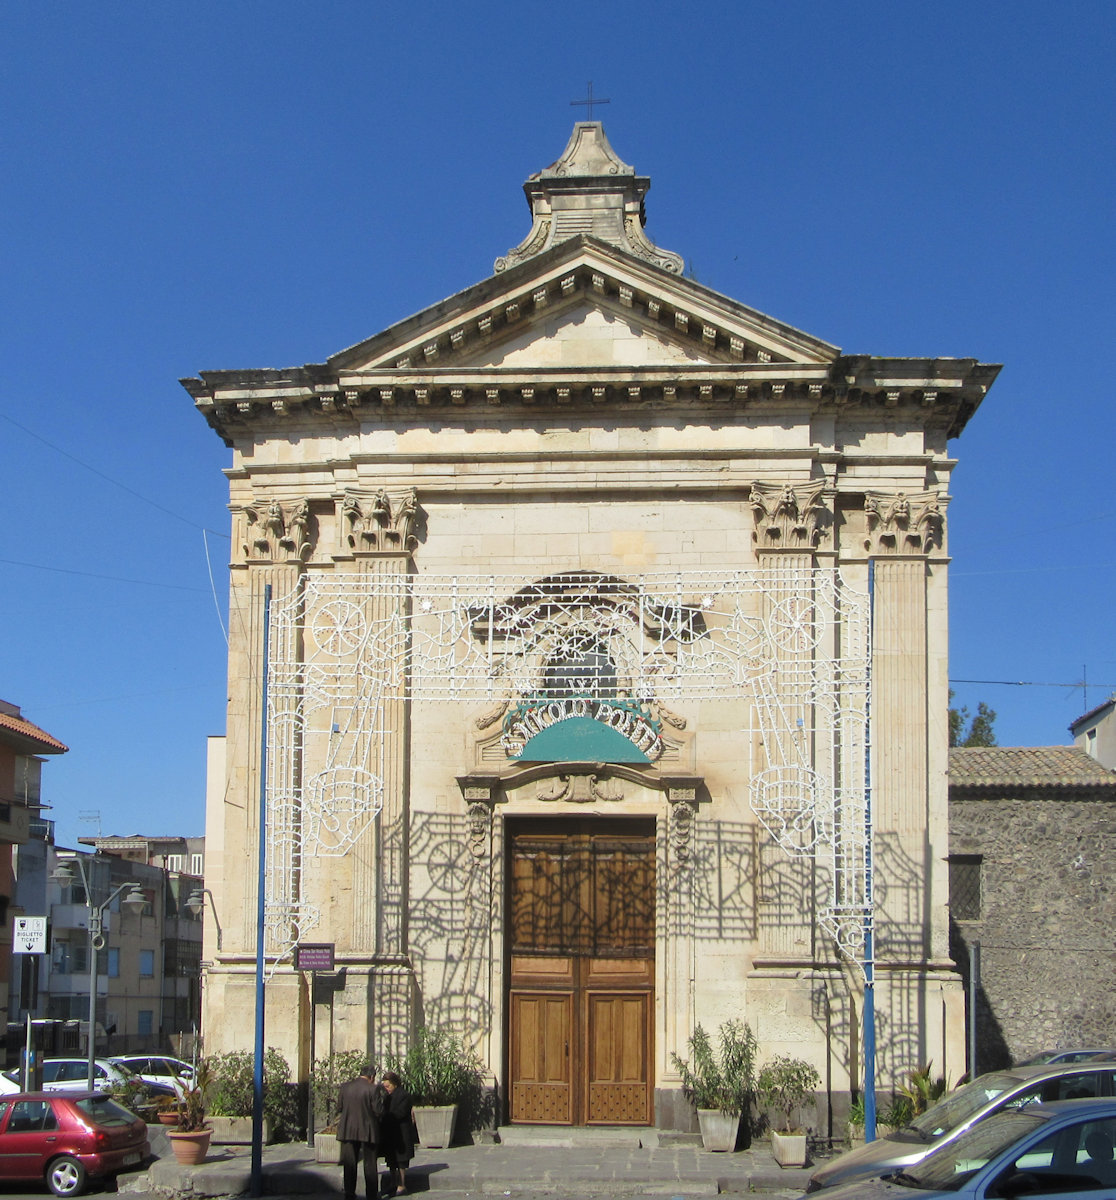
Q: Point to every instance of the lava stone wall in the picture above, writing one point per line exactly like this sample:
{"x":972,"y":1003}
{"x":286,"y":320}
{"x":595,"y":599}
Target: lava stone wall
{"x":1047,"y":925}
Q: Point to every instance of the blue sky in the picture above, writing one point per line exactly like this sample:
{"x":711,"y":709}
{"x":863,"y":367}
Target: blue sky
{"x":215,"y":185}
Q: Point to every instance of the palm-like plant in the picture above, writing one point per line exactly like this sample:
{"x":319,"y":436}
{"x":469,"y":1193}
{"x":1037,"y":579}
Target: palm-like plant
{"x":922,"y":1090}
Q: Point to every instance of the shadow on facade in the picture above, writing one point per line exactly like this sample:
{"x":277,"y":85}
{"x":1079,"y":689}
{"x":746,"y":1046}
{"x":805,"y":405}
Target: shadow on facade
{"x":730,"y":884}
{"x":992,"y":1049}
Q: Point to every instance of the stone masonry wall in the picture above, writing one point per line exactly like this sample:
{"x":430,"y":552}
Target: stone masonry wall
{"x":1048,"y":911}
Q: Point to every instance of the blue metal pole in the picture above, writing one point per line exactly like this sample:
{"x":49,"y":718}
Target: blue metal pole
{"x":256,"y":1176}
{"x":869,"y":902}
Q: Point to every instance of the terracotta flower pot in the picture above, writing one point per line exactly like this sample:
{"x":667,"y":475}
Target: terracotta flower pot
{"x":168,"y":1118}
{"x":189,"y":1148}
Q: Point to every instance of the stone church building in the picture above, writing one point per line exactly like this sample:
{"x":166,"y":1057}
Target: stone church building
{"x":604,"y":685}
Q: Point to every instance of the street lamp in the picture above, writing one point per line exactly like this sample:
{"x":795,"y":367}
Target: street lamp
{"x":135,"y":900}
{"x":195,"y":902}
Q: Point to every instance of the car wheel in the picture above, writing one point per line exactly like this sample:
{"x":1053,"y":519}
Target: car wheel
{"x":66,"y":1177}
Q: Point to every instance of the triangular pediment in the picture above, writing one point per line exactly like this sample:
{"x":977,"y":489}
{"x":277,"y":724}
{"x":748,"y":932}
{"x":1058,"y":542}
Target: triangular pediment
{"x":583,"y":305}
{"x":588,"y":334}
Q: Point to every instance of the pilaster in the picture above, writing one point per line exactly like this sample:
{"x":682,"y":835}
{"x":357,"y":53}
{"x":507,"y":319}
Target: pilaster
{"x":791,"y":523}
{"x":899,"y":775}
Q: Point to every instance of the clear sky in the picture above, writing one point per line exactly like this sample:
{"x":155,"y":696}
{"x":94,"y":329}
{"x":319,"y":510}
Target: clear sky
{"x":230,"y":184}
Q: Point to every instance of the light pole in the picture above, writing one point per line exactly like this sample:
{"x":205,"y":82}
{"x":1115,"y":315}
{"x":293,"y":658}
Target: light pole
{"x":135,"y":900}
{"x":196,"y":902}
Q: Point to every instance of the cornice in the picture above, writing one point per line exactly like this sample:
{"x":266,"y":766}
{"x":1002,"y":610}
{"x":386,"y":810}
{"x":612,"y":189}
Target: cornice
{"x":238,"y":406}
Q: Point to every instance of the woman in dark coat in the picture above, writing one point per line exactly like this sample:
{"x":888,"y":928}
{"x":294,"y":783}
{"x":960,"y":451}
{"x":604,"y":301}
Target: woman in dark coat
{"x":397,"y":1131}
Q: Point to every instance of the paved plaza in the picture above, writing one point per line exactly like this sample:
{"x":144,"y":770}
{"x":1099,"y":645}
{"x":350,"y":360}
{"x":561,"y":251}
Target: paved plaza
{"x":567,"y":1163}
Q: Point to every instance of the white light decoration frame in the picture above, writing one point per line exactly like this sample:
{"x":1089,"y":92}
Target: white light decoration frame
{"x":793,"y":639}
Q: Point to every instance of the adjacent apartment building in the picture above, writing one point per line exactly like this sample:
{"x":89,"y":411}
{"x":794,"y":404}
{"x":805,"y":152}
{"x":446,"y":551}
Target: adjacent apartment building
{"x":23,"y":749}
{"x":149,"y":970}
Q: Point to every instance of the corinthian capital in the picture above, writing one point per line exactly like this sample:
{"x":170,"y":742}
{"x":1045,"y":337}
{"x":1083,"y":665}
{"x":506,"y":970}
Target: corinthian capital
{"x":903,"y":522}
{"x":789,"y":516}
{"x":276,"y":532}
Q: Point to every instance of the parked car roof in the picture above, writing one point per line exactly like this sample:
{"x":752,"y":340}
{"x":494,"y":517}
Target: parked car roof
{"x":1049,"y":1057}
{"x":1045,"y":1149}
{"x":962,"y":1108}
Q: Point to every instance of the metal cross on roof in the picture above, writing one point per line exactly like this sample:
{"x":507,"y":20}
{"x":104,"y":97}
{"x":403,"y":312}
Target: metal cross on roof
{"x":590,"y":100}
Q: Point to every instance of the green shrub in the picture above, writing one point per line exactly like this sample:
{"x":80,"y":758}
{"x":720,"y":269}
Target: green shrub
{"x":232,"y":1089}
{"x":440,"y":1069}
{"x":724,"y":1080}
{"x":786,"y":1084}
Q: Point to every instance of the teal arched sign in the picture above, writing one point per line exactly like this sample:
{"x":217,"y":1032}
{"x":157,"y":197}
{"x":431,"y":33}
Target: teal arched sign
{"x":581,"y":739}
{"x":581,"y":729}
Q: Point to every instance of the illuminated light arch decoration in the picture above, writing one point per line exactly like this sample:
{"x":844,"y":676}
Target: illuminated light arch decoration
{"x":791,"y":640}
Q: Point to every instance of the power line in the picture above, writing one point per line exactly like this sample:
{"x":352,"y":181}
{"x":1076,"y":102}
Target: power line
{"x":178,"y":587}
{"x":109,"y":479}
{"x":1032,"y":683}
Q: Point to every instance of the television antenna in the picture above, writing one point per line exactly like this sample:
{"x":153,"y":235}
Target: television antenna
{"x":91,"y":816}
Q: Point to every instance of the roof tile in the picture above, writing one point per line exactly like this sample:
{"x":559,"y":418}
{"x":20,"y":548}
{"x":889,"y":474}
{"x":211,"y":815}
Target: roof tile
{"x":1026,"y":766}
{"x":24,"y":729}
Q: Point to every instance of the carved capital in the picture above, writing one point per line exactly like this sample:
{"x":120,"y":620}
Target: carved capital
{"x":903,"y":523}
{"x":789,"y":516}
{"x":275,"y":532}
{"x":379,"y":523}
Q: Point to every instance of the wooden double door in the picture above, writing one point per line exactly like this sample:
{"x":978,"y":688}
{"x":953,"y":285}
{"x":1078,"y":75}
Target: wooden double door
{"x":581,"y":903}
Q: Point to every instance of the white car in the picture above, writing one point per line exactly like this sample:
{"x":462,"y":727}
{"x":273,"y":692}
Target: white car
{"x":157,"y":1070}
{"x":70,"y":1075}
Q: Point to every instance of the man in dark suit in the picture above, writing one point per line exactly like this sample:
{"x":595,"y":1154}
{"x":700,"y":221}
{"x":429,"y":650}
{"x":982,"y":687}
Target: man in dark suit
{"x":358,"y":1130}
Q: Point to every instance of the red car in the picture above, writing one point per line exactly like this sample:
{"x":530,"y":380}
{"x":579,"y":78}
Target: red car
{"x":67,"y":1138}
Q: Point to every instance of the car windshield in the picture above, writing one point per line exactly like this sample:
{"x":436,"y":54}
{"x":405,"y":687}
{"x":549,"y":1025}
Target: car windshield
{"x":947,"y":1168}
{"x":124,"y":1069}
{"x":103,"y":1111}
{"x":956,"y":1109}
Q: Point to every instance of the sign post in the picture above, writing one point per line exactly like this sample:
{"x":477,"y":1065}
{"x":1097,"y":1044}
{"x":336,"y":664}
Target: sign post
{"x":29,"y":937}
{"x":313,"y":957}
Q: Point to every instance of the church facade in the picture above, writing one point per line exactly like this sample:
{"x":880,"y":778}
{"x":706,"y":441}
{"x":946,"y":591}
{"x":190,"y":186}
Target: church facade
{"x":588,"y":652}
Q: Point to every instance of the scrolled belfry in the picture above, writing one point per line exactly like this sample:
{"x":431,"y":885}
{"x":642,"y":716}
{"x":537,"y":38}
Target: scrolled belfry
{"x":572,"y":662}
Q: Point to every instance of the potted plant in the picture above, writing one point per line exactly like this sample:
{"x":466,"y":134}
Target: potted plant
{"x":166,"y":1112}
{"x":326,"y":1077}
{"x":720,"y":1083}
{"x":785,"y":1084}
{"x":922,"y":1090}
{"x":855,"y":1126}
{"x":189,"y":1137}
{"x":441,"y":1073}
{"x":232,"y":1092}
